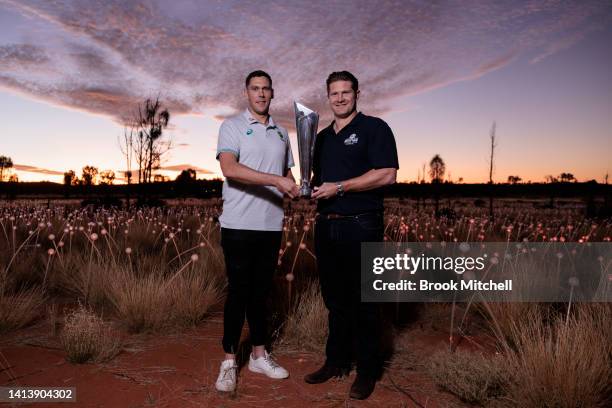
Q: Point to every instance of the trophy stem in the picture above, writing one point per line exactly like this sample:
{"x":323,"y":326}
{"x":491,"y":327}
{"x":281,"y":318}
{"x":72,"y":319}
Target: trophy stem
{"x":305,"y":190}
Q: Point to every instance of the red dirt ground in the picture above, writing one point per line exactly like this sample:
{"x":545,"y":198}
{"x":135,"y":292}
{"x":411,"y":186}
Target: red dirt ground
{"x":179,"y":370}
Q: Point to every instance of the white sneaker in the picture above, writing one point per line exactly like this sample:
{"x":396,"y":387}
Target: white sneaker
{"x":266,"y":365}
{"x":226,"y":381}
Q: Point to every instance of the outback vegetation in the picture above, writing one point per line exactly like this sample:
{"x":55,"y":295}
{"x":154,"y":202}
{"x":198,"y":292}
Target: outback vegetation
{"x":106,"y":274}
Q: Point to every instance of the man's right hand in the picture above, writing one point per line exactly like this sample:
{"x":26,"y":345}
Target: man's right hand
{"x":287,"y":186}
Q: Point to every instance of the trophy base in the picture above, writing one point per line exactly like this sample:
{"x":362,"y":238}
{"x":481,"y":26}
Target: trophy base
{"x":305,"y":191}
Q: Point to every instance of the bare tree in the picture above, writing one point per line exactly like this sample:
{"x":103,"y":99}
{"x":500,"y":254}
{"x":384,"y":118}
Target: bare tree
{"x":126,"y":145}
{"x":493,"y":145}
{"x":145,"y":138}
{"x":436,"y":172}
{"x":6,"y":163}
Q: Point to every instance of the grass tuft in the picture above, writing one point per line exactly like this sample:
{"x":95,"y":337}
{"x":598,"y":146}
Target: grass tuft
{"x":306,"y":324}
{"x":86,"y":338}
{"x":20,"y":309}
{"x":473,"y":377}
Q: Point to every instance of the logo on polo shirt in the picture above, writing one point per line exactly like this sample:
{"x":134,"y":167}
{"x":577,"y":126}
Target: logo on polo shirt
{"x":249,"y":131}
{"x":351,"y":140}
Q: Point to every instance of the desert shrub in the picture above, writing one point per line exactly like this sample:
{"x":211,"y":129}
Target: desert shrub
{"x":140,"y":302}
{"x":192,"y":295}
{"x":563,"y":362}
{"x":85,"y":337}
{"x":153,"y":302}
{"x":19,"y":309}
{"x":306,"y":324}
{"x":87,"y":281}
{"x":404,"y":356}
{"x":26,"y":270}
{"x":503,"y":317}
{"x":473,"y":377}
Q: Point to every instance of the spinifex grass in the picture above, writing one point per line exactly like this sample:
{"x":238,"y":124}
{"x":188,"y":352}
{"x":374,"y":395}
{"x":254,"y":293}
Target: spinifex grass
{"x":306,"y":324}
{"x":474,"y":378}
{"x":562,"y":362}
{"x":141,"y":271}
{"x":19,"y":309}
{"x":86,"y":337}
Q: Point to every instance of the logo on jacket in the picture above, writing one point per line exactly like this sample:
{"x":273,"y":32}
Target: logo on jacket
{"x":249,"y":131}
{"x":351,"y":140}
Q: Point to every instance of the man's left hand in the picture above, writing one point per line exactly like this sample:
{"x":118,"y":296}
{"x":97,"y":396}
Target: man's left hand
{"x":325,"y":190}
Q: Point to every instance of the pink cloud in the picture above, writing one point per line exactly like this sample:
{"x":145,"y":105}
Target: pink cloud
{"x":35,"y":169}
{"x":106,"y":57}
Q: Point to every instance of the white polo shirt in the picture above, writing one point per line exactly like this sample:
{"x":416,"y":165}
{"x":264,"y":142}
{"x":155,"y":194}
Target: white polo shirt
{"x":264,"y":148}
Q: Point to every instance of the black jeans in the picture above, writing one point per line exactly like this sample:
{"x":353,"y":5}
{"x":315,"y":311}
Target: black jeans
{"x":250,"y":260}
{"x":338,"y":247}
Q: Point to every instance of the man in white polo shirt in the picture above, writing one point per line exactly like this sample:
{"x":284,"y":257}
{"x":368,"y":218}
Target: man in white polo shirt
{"x":256,"y":160}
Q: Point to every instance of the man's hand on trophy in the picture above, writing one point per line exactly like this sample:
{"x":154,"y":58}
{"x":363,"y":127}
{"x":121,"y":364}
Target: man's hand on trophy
{"x":287,"y":186}
{"x":325,"y":190}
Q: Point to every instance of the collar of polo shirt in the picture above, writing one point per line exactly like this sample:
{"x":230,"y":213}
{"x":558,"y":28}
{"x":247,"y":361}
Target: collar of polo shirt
{"x":249,"y":117}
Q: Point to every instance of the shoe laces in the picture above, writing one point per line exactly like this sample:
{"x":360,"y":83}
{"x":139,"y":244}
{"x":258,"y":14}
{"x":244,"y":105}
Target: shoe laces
{"x":273,"y":364}
{"x":229,"y":371}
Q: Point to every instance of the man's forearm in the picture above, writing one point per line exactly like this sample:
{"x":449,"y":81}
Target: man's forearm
{"x":246,"y":175}
{"x":370,"y":180}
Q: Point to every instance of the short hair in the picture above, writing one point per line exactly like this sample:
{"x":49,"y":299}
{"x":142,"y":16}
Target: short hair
{"x":343,"y":76}
{"x":258,"y":73}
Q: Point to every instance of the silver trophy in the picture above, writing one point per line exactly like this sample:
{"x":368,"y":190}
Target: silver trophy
{"x":306,"y":122}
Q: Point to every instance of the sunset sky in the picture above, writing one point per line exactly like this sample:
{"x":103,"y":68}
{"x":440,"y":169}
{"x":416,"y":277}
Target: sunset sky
{"x":439,"y":73}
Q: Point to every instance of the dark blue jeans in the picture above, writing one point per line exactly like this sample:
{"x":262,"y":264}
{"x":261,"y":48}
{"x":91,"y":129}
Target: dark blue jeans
{"x":250,"y":260}
{"x":338,"y":248}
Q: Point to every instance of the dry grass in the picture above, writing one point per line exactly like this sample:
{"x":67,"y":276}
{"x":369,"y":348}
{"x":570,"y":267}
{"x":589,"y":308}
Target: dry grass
{"x":140,"y":302}
{"x":502,"y":318}
{"x":152,"y":302}
{"x":86,"y":281}
{"x":405,"y":357}
{"x":306,"y":324}
{"x":474,"y":378}
{"x":193,"y":294}
{"x":86,"y":337}
{"x":563,"y":364}
{"x":20,"y":309}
